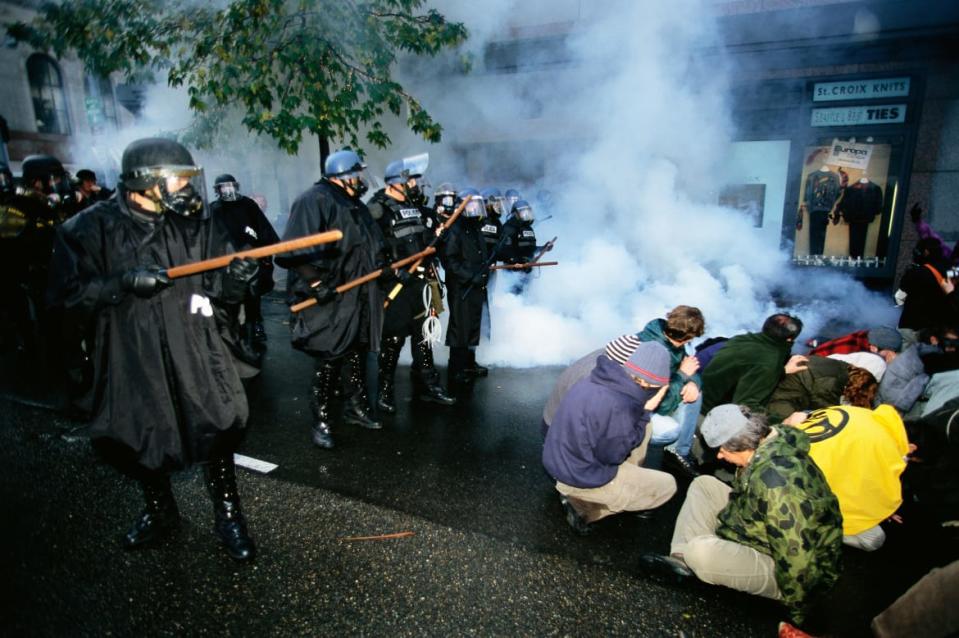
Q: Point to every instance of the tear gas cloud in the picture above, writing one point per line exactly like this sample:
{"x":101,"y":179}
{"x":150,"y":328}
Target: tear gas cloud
{"x":631,"y":135}
{"x":621,"y":132}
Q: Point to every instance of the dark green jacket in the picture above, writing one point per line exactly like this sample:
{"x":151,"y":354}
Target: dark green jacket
{"x":653,"y":332}
{"x":745,"y":371}
{"x":782,"y":506}
{"x":820,"y":385}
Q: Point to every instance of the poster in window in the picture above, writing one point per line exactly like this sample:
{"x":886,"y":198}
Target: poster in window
{"x":748,"y":199}
{"x":842,"y":199}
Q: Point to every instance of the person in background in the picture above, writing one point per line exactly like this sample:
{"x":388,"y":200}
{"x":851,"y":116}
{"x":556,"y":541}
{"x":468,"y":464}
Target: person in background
{"x":88,"y":191}
{"x":249,"y":228}
{"x":884,"y":341}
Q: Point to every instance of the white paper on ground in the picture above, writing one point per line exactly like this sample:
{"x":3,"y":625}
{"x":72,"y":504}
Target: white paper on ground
{"x":250,"y":463}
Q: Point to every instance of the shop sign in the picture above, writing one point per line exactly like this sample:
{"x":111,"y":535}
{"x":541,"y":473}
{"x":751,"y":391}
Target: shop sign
{"x":850,"y":154}
{"x":860,"y":89}
{"x":859,"y":115}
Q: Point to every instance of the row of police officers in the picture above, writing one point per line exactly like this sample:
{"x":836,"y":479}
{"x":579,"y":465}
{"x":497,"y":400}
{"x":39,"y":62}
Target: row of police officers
{"x":167,"y":362}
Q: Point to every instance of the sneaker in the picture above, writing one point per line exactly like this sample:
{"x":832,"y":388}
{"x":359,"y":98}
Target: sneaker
{"x":574,"y":518}
{"x":670,"y":567}
{"x":686,"y":465}
{"x":788,"y":631}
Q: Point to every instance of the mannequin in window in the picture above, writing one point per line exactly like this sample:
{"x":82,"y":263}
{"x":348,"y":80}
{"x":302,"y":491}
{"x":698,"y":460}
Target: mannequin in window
{"x":820,"y":195}
{"x":861,"y":202}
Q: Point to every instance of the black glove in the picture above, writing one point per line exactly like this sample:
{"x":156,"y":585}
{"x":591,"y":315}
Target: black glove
{"x":478,"y":280}
{"x":145,"y":281}
{"x":236,"y":280}
{"x":322,"y":293}
{"x":404,"y":276}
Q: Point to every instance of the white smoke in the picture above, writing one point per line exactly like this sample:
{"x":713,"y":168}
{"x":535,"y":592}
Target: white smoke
{"x":632,"y":137}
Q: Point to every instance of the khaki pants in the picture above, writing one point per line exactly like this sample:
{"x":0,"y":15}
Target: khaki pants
{"x":633,"y":489}
{"x":713,"y":559}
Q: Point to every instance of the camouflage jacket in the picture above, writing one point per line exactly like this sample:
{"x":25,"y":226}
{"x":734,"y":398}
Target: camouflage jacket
{"x":782,"y":506}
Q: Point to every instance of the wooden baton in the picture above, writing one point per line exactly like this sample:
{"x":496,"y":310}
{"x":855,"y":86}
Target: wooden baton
{"x":359,"y":281}
{"x":254,"y":253}
{"x":532,"y":264}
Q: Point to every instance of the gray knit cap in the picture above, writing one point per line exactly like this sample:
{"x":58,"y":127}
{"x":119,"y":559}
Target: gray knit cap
{"x":885,"y":338}
{"x":649,"y":362}
{"x":722,"y":424}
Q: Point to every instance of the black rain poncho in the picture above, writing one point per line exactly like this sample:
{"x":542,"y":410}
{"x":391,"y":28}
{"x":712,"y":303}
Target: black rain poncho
{"x":165,"y":384}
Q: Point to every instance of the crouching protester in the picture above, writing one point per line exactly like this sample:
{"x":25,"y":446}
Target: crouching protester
{"x":166,"y":394}
{"x":597,"y":441}
{"x":862,"y":453}
{"x":776,"y":533}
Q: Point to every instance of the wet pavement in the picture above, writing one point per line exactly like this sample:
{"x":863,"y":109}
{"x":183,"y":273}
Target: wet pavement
{"x":490,"y":554}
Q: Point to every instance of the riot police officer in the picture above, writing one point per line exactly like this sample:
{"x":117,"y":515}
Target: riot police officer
{"x":493,"y":225}
{"x":466,"y":261}
{"x":400,"y":211}
{"x":248,"y":228}
{"x":520,"y":238}
{"x":166,"y":391}
{"x":341,"y":327}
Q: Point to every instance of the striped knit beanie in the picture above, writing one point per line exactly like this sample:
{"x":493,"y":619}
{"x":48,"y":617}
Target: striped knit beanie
{"x":621,"y":348}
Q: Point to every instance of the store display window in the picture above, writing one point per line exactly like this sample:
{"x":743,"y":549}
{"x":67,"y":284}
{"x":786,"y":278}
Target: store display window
{"x":847,"y":198}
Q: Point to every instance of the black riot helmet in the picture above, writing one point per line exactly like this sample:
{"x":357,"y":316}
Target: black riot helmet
{"x":346,"y":166}
{"x":444,"y":199}
{"x":475,"y":208}
{"x":226,"y":188}
{"x":164,"y":172}
{"x":48,"y":170}
{"x":522,"y":211}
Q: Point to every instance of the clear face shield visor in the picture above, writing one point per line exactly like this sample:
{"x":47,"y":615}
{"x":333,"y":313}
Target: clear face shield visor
{"x":474,"y":208}
{"x":227,"y":191}
{"x":176,"y":189}
{"x":524,"y":214}
{"x":497,"y":205}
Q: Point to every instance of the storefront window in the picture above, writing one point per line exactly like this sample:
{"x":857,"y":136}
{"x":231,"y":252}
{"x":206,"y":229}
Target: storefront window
{"x":846,"y":201}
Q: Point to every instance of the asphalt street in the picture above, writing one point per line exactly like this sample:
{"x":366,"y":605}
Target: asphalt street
{"x":490,"y":553}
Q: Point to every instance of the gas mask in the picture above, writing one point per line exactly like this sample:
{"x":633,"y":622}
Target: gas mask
{"x":227,"y":191}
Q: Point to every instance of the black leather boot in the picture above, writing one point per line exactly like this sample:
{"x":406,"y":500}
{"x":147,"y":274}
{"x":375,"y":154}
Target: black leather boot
{"x":457,"y":378}
{"x":160,"y":516}
{"x":389,"y":355}
{"x":357,"y":408}
{"x":325,"y":374}
{"x":426,"y":380}
{"x":473,"y":368}
{"x":228,"y":522}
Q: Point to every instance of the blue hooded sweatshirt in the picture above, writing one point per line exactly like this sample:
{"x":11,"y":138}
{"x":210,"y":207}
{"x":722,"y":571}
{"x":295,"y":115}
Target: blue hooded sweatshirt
{"x":599,"y":422}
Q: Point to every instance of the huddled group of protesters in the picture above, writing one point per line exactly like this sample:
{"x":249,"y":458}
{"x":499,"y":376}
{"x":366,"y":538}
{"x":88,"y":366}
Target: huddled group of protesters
{"x":789,"y":456}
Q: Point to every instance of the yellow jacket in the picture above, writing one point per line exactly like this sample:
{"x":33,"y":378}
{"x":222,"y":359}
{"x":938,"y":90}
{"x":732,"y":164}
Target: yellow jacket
{"x":862,"y":454}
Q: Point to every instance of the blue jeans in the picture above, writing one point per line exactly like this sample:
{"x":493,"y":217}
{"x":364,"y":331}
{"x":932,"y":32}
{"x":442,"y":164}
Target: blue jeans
{"x":687,"y":414}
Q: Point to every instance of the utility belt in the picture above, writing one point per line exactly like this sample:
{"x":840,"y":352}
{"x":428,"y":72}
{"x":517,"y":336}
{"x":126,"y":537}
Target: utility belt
{"x":406,"y":231}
